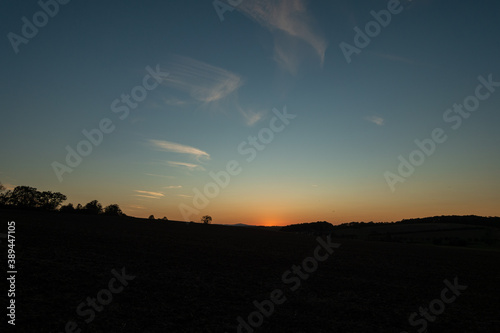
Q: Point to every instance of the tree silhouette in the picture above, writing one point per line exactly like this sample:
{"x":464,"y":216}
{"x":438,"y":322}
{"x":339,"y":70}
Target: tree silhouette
{"x":5,"y":198}
{"x":28,"y":198}
{"x":50,"y":200}
{"x":23,"y":197}
{"x":151,"y":217}
{"x":93,"y":207}
{"x":67,"y":208}
{"x":113,"y":210}
{"x":207,"y":219}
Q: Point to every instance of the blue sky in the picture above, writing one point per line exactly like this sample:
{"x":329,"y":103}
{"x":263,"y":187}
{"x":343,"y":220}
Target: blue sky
{"x":225,"y":78}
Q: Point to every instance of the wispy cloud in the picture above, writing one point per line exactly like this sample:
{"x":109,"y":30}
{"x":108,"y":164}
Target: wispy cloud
{"x":179,"y":148}
{"x":149,"y":194}
{"x":146,"y":196}
{"x":189,"y":166}
{"x":135,"y":207}
{"x":291,"y":23}
{"x":154,"y":175}
{"x":205,"y":83}
{"x":173,"y":186}
{"x":213,"y":87}
{"x":174,"y":101}
{"x":184,"y":196}
{"x":376,"y":120}
{"x":252,"y":117}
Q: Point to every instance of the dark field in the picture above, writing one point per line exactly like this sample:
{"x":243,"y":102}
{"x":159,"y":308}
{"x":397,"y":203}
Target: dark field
{"x":200,"y":278}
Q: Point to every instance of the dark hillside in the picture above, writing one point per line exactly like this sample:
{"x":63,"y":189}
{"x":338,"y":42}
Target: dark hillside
{"x":201,"y":278}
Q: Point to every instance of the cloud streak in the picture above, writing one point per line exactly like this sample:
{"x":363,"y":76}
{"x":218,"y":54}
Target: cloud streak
{"x":154,"y":175}
{"x":179,"y":148}
{"x":135,"y":207}
{"x":149,"y":194}
{"x":214,"y":87}
{"x":203,"y":82}
{"x":252,"y":117}
{"x":290,"y":22}
{"x":189,"y":166}
{"x":376,"y":120}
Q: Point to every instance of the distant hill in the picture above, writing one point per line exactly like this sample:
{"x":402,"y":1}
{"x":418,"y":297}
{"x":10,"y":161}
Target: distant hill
{"x":313,"y":228}
{"x":470,"y":230}
{"x":490,"y":221}
{"x":456,"y":219}
{"x":240,"y":225}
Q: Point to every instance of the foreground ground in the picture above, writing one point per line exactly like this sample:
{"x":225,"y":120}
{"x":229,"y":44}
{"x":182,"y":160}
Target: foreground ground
{"x":198,"y":278}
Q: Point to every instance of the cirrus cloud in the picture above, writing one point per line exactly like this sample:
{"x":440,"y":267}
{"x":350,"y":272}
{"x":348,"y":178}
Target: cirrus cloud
{"x":179,"y":148}
{"x":149,"y":194}
{"x":205,"y":83}
{"x":189,"y":166}
{"x":376,"y":120}
{"x":289,"y":21}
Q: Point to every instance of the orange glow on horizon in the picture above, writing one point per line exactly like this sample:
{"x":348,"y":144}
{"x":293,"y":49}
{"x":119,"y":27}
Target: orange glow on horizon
{"x":271,"y":223}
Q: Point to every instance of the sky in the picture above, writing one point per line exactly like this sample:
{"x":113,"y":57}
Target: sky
{"x":261,"y":112}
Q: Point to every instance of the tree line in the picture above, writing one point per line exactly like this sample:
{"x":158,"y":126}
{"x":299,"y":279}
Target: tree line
{"x":26,"y":197}
{"x":315,"y":228}
{"x":486,"y":221}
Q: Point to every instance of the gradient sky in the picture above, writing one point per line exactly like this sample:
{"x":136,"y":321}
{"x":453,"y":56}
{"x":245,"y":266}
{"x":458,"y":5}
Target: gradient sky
{"x":225,"y":78}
